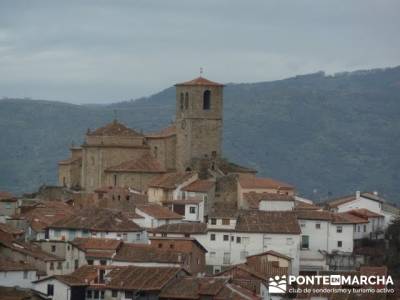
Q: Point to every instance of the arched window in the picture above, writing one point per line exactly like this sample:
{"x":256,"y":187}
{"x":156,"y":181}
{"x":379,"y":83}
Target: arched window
{"x":186,"y":100}
{"x":207,"y":100}
{"x":182,"y":98}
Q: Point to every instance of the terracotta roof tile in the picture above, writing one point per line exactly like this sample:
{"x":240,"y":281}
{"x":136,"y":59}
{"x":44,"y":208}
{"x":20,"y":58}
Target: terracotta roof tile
{"x":253,"y":199}
{"x":145,"y":164}
{"x":141,"y":253}
{"x":284,"y":222}
{"x":96,"y":219}
{"x":184,"y":228}
{"x":199,"y":186}
{"x":96,"y":243}
{"x":200,"y":81}
{"x":252,"y":182}
{"x":158,"y":211}
{"x":347,"y":218}
{"x":301,"y":205}
{"x":165,"y":132}
{"x":272,"y":252}
{"x":134,"y":278}
{"x":364,"y":213}
{"x":114,"y":128}
{"x":6,"y":195}
{"x":7,"y":265}
{"x":193,"y":288}
{"x":322,"y":215}
{"x":170,"y":180}
{"x":10,"y":229}
{"x":235,"y":292}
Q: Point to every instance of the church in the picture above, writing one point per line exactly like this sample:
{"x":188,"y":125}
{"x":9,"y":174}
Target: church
{"x":118,"y":156}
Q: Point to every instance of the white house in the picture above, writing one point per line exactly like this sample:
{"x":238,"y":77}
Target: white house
{"x":154,"y":215}
{"x":268,"y":201}
{"x":368,"y":201}
{"x":97,"y":223}
{"x":13,"y":273}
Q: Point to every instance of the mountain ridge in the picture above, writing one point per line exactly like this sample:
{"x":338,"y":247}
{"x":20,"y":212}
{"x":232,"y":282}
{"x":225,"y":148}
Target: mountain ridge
{"x":327,"y":134}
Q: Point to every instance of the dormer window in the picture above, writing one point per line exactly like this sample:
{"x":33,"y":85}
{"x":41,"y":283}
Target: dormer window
{"x":207,"y":100}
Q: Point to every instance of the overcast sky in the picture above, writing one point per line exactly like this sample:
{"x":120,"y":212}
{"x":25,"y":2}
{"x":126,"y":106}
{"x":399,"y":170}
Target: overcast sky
{"x":107,"y":51}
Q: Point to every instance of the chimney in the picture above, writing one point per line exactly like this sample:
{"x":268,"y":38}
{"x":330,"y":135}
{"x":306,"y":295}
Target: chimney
{"x":357,"y":194}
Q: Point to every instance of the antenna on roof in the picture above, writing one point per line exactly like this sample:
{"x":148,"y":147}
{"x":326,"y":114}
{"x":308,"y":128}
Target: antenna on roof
{"x":201,"y":71}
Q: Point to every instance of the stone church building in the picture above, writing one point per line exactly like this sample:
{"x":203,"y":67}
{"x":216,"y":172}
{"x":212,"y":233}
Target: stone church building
{"x":115,"y":155}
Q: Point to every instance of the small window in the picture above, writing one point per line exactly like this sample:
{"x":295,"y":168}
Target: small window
{"x":115,"y":180}
{"x":89,"y":294}
{"x":159,"y":245}
{"x":25,"y":274}
{"x":302,"y":225}
{"x":90,"y":262}
{"x":207,"y":100}
{"x":318,"y":225}
{"x":213,"y":221}
{"x":226,"y":221}
{"x":114,"y":293}
{"x":181,"y":101}
{"x":365,"y":228}
{"x":103,"y":262}
{"x":50,"y":290}
{"x":212,"y":236}
{"x":59,"y":265}
{"x":101,"y":294}
{"x":128,"y":295}
{"x":192,"y":209}
{"x":138,"y":236}
{"x":171,"y":246}
{"x":305,"y":241}
{"x":339,"y":229}
{"x":53,"y":248}
{"x":187,"y":100}
{"x":238,"y":240}
{"x":226,"y":237}
{"x":51,"y":266}
{"x":339,"y":244}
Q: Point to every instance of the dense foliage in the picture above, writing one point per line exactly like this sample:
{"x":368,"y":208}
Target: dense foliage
{"x":328,"y":135}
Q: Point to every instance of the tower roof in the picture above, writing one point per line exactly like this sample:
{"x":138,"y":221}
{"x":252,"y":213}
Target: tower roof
{"x":114,"y":128}
{"x":200,"y":81}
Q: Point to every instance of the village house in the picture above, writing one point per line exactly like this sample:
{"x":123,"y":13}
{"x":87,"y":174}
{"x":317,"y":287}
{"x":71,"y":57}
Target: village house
{"x":95,"y":222}
{"x":268,"y":201}
{"x":373,"y":228}
{"x":45,"y":263}
{"x":16,"y":273}
{"x":368,"y":201}
{"x":73,"y":256}
{"x":154,"y":215}
{"x":213,"y":288}
{"x":98,"y":251}
{"x":8,"y":205}
{"x":16,"y":233}
{"x":195,"y":251}
{"x":35,"y":219}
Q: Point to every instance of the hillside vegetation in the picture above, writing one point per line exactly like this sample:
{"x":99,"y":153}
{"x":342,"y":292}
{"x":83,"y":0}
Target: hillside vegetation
{"x":328,"y":135}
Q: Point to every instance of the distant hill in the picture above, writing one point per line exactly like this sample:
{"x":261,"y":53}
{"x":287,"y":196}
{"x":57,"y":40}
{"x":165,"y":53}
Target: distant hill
{"x":328,"y":135}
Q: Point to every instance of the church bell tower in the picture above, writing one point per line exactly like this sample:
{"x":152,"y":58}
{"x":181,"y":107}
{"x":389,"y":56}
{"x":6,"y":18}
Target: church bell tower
{"x":199,"y":108}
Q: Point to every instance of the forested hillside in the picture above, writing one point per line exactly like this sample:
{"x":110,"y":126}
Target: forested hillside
{"x":328,"y":135}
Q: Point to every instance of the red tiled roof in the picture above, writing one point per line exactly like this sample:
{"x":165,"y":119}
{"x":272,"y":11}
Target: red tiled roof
{"x":253,"y":199}
{"x":200,"y":81}
{"x":347,"y":218}
{"x":142,"y":253}
{"x":134,"y":278}
{"x":7,"y":265}
{"x":165,"y":132}
{"x":10,"y":229}
{"x":170,"y":180}
{"x":364,"y":213}
{"x":70,"y":161}
{"x":199,"y":186}
{"x":301,"y":205}
{"x":99,"y":254}
{"x":322,"y":215}
{"x":6,"y":195}
{"x":333,"y":203}
{"x":158,"y":211}
{"x":80,"y":277}
{"x":114,"y":128}
{"x":235,"y":292}
{"x":183,"y":228}
{"x":273,"y":253}
{"x":96,"y":243}
{"x":145,"y":164}
{"x":193,"y":287}
{"x":96,"y":219}
{"x":252,"y":182}
{"x":284,"y":222}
